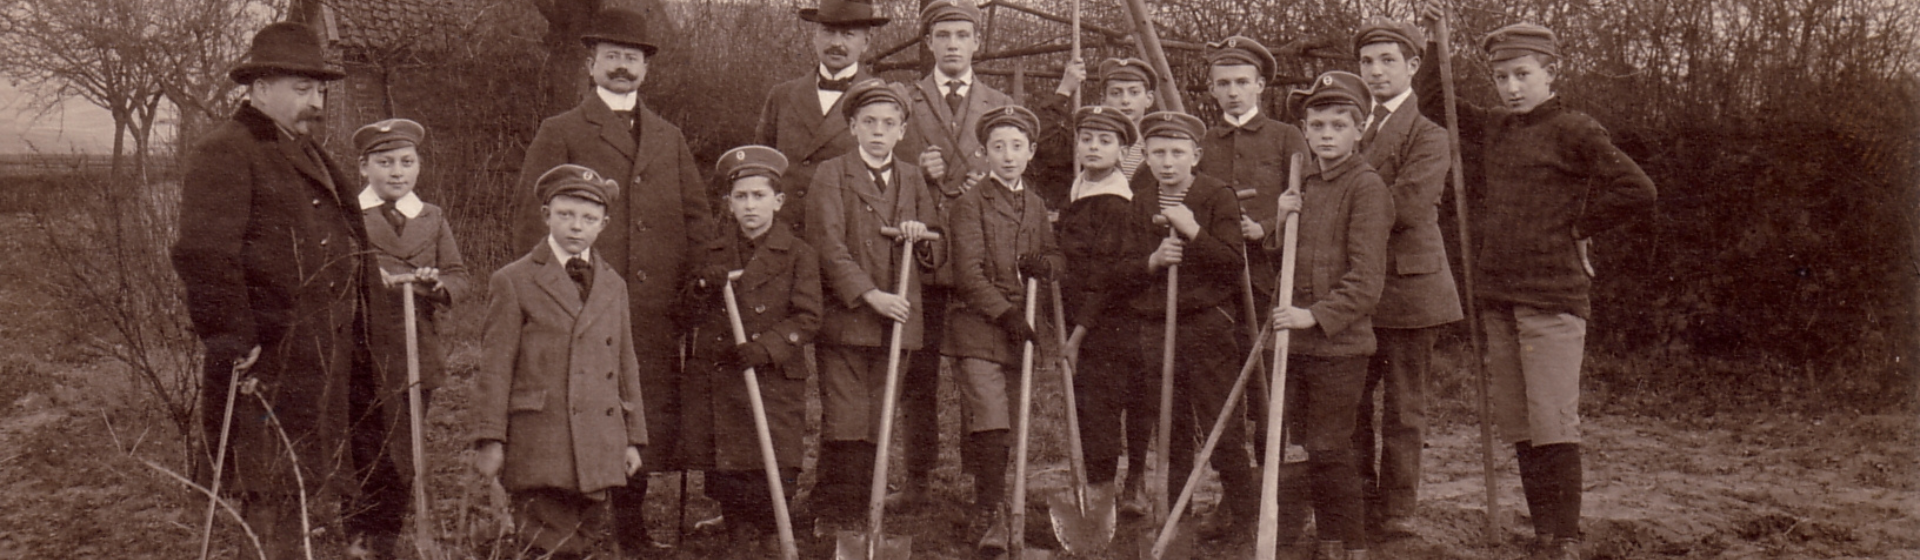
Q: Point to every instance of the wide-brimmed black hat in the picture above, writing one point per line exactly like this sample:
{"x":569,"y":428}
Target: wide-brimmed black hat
{"x":843,"y":13}
{"x":620,"y":26}
{"x":283,"y":49}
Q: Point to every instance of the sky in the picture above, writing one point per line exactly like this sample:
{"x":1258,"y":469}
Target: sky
{"x":74,"y":125}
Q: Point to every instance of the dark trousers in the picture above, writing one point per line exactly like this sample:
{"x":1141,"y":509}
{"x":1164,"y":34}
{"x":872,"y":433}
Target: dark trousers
{"x":628,"y":505}
{"x":920,"y":386}
{"x":1399,"y":368}
{"x":563,"y":523}
{"x":1327,"y":393}
{"x":744,"y":498}
{"x":1205,"y":367}
{"x":1114,"y":384}
{"x":842,"y":479}
{"x":378,"y":510}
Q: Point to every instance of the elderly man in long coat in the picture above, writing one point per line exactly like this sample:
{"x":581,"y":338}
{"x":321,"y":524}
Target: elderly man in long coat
{"x":651,"y":232}
{"x":802,"y":116}
{"x":272,"y":255}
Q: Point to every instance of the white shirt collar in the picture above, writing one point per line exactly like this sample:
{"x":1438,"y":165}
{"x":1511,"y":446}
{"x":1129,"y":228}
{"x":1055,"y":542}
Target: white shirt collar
{"x":563,"y":255}
{"x":617,"y":101}
{"x":1242,"y":120}
{"x":941,"y":79}
{"x":1393,"y":103}
{"x":843,"y":74}
{"x":408,"y":205}
{"x":871,"y":164}
{"x":1115,"y":184}
{"x":1018,"y":185}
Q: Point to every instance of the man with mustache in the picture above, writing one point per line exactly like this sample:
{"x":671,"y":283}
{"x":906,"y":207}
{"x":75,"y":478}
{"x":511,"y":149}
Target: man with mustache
{"x":802,"y":117}
{"x":651,"y":231}
{"x":272,"y":255}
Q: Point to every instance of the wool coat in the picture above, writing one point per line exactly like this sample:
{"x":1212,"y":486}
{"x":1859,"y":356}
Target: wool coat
{"x":1210,"y":264}
{"x":1254,"y":157}
{"x":933,"y":123}
{"x":1106,"y":263}
{"x":1345,"y":215}
{"x":847,"y":211}
{"x":661,"y":217}
{"x":779,"y":302}
{"x":559,"y":382}
{"x":272,"y":253}
{"x":425,"y":241}
{"x":992,"y":228}
{"x":1412,"y":155}
{"x":791,"y":121}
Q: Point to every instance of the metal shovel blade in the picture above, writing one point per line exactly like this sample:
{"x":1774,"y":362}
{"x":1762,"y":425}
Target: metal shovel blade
{"x":852,"y":545}
{"x":1083,"y":532}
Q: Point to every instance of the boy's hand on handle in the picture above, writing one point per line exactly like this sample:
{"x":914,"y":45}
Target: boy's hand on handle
{"x":887,"y":305}
{"x":1429,"y":12}
{"x":748,"y":355}
{"x":1014,"y":322}
{"x":912,"y":231}
{"x":1072,"y":349}
{"x":1171,"y":248}
{"x":1035,"y":265}
{"x":1293,"y":318}
{"x":1289,"y":203}
{"x":1251,"y":229}
{"x":973,"y":180}
{"x":245,"y":363}
{"x":1071,"y":77}
{"x":492,"y":454}
{"x":633,"y":460}
{"x":1183,"y":221}
{"x":932,"y":163}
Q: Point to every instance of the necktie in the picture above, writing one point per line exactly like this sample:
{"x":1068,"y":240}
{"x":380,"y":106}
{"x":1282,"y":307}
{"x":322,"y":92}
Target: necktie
{"x":880,"y":175}
{"x":394,"y":218}
{"x":953,"y":96}
{"x":582,"y":275}
{"x":1380,"y":113}
{"x":840,"y":85}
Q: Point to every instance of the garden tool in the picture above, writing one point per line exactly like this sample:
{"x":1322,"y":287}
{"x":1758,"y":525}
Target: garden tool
{"x":779,"y":494}
{"x":1167,"y":535}
{"x":423,"y":541}
{"x":1017,"y":541}
{"x":1266,"y":543}
{"x":220,"y":453}
{"x":1083,"y":518}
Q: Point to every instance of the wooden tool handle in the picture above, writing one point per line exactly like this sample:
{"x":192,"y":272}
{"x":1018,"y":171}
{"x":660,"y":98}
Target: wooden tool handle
{"x":894,"y":232}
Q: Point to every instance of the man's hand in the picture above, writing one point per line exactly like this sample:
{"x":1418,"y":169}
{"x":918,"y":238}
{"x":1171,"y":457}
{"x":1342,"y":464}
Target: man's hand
{"x":633,"y":460}
{"x":246,"y":363}
{"x":492,"y":454}
{"x":887,"y":305}
{"x":973,"y":179}
{"x":1251,"y":229}
{"x":932,"y":163}
{"x":1014,"y":324}
{"x":1167,"y":255}
{"x":1071,"y":77}
{"x":1072,"y":349}
{"x":1183,"y":221}
{"x":911,"y":231}
{"x":1293,"y":318}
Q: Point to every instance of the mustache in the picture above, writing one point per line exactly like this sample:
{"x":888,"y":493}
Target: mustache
{"x":836,"y":51}
{"x":621,"y":74}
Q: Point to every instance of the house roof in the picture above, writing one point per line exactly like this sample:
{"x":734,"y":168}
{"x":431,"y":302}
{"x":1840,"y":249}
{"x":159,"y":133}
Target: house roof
{"x":389,"y":25}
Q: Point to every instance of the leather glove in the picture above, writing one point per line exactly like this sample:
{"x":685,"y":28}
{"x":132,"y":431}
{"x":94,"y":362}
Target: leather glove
{"x":1035,"y":265}
{"x":1016,"y":327}
{"x":748,"y":355}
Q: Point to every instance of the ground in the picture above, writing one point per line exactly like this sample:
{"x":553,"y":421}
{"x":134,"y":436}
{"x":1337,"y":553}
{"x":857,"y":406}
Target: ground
{"x":82,"y":461}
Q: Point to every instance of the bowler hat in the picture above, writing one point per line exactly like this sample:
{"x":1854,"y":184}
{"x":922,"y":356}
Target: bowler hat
{"x":751,"y":161}
{"x":1331,"y":88}
{"x":855,"y":13}
{"x":283,"y":49}
{"x":1172,"y":124}
{"x":1390,"y":31}
{"x":1096,"y":117}
{"x":1240,"y":50}
{"x":948,"y":10}
{"x":390,"y":134}
{"x":1519,"y":40}
{"x":620,"y":26}
{"x":576,"y":181}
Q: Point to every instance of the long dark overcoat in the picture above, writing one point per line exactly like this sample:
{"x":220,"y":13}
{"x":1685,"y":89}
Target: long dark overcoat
{"x":992,"y":228}
{"x":791,"y":121}
{"x":559,"y":383}
{"x":661,"y":217}
{"x":779,"y":300}
{"x":271,"y":253}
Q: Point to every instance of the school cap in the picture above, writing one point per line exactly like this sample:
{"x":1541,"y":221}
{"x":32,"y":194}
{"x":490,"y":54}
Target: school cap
{"x":1010,"y":115}
{"x":1127,"y":70}
{"x":1172,"y":124}
{"x":1241,"y":50}
{"x":948,"y":10}
{"x":751,"y":161}
{"x":576,"y":181}
{"x":871,"y":91}
{"x":1109,"y":119}
{"x":390,"y":134}
{"x":1520,"y":39}
{"x":1391,"y":31}
{"x":1332,"y":88}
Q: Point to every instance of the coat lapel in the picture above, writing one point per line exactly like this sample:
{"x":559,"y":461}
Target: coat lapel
{"x":613,"y":129}
{"x":862,"y":183}
{"x":821,"y":129}
{"x":772,"y":257}
{"x":380,"y":233}
{"x":933,"y":124}
{"x":552,"y":277}
{"x":604,"y":298}
{"x":1393,"y":132}
{"x":653,"y":133}
{"x":418,"y":234}
{"x":295,"y":151}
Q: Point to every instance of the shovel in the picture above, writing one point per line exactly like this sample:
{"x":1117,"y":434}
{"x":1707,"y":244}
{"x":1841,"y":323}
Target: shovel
{"x":1017,"y":538}
{"x":423,"y":541}
{"x":1163,"y":435}
{"x":1266,"y":544}
{"x":780,"y":518}
{"x":1168,"y":530}
{"x":875,"y":544}
{"x":1083,"y":519}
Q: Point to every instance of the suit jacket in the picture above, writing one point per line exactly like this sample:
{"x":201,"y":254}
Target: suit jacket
{"x":1210,"y":265}
{"x":272,"y":253}
{"x":791,"y":122}
{"x":932,"y":123}
{"x":662,"y":216}
{"x":1345,"y":214}
{"x":559,"y":383}
{"x":1412,"y":155}
{"x":425,"y":241}
{"x":780,"y":304}
{"x":847,"y":211}
{"x":992,"y":228}
{"x":1254,"y":157}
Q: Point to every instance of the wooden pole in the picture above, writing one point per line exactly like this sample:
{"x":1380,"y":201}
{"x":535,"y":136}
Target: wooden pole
{"x":1267,"y":540}
{"x":1475,"y":335}
{"x":1076,"y":92}
{"x":422,"y":526}
{"x":1156,"y":55}
{"x":783,"y":522}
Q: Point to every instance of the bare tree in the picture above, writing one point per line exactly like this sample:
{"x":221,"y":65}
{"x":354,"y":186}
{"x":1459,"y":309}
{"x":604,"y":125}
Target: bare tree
{"x":97,"y":50}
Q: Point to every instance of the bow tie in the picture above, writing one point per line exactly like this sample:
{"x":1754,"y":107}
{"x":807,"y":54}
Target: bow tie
{"x":840,"y":85}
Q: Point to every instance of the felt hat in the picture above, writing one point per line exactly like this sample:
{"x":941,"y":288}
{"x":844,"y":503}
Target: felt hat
{"x":1009,"y":115}
{"x":871,"y":91}
{"x":1390,"y":31}
{"x":1241,"y":50}
{"x":1172,"y":124}
{"x":948,"y":10}
{"x":619,"y":26}
{"x":1128,"y":70}
{"x":852,"y":13}
{"x":576,"y":181}
{"x":1519,"y":40}
{"x":1109,"y":119}
{"x":284,"y":49}
{"x":390,"y":134}
{"x":1331,"y":88}
{"x":751,"y":161}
